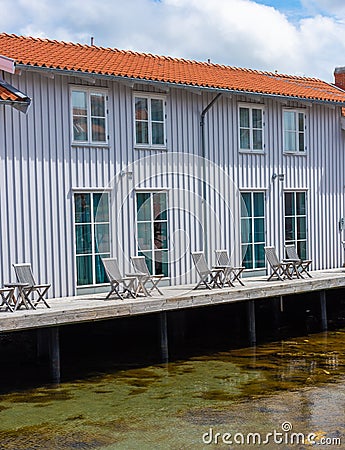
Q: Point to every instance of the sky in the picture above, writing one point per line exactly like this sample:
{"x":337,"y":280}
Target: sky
{"x":297,"y":37}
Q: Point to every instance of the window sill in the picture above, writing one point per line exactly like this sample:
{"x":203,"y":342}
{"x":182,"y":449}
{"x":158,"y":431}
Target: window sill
{"x":287,"y":153}
{"x":150,"y":147}
{"x":252,"y":152}
{"x":90,"y":145}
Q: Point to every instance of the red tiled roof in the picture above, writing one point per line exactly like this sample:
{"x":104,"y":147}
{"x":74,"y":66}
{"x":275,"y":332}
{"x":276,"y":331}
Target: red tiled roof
{"x":6,"y":95}
{"x":107,"y":61}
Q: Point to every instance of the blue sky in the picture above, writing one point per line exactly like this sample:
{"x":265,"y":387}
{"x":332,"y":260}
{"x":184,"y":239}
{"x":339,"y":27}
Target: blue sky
{"x":298,"y":37}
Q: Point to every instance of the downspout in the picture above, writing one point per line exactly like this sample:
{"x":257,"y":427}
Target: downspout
{"x":203,"y":174}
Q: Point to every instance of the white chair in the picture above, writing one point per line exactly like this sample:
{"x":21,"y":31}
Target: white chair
{"x":145,"y":277}
{"x":302,"y":264}
{"x":209,"y":277}
{"x":231,"y":273}
{"x":116,"y":279}
{"x":282,"y":269}
{"x":24,"y":275}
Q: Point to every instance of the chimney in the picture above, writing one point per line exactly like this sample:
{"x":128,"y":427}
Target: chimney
{"x":339,"y":77}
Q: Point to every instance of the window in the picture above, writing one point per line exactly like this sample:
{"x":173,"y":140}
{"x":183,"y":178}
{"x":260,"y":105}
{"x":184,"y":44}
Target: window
{"x":294,"y":131}
{"x":92,"y":236}
{"x":253,"y":229}
{"x":149,"y":121}
{"x":251,"y":128}
{"x":296,"y":221}
{"x":152,"y":230}
{"x":89,"y":116}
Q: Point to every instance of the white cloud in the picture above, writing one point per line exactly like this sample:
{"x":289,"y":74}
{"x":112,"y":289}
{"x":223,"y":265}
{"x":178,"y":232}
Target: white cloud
{"x":234,"y":32}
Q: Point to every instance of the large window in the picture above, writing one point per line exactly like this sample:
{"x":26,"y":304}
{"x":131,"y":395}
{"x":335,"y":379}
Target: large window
{"x":89,"y":116}
{"x":253,"y":229}
{"x":92,"y":236}
{"x":152,"y":230}
{"x":149,"y":121}
{"x":251,"y":136}
{"x":296,"y":221}
{"x":294,"y":131}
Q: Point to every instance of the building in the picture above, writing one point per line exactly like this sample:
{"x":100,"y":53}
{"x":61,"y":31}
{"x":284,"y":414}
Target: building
{"x":122,"y":152}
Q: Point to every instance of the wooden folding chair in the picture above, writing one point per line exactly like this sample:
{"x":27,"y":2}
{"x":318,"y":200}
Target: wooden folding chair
{"x":24,"y":275}
{"x":231,"y":273}
{"x":7,"y":298}
{"x":281,"y":269}
{"x":144,"y":275}
{"x":302,"y":264}
{"x":116,"y":279}
{"x":209,"y":277}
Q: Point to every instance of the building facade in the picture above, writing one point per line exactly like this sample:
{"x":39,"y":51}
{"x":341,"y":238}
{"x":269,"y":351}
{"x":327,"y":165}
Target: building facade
{"x":122,"y":153}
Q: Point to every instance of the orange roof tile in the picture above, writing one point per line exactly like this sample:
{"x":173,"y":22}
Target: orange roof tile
{"x":107,"y":61}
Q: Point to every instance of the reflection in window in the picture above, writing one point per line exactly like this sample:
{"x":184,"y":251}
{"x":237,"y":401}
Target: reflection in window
{"x":152,"y":230}
{"x":296,"y":221}
{"x":89,"y":116}
{"x":251,"y":128}
{"x":92,"y":236}
{"x":253,"y":229}
{"x":149,"y":121}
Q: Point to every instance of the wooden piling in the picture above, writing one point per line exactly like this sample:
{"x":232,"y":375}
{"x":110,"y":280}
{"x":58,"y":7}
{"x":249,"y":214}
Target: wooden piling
{"x":164,"y":336}
{"x":251,"y":322}
{"x":54,"y":355}
{"x":323,"y":307}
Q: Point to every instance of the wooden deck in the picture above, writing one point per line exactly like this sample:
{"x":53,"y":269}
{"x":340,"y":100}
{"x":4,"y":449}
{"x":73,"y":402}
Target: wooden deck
{"x":87,"y":308}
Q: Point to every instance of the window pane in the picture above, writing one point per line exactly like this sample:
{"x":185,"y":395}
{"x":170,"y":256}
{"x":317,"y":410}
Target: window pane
{"x":79,"y":104}
{"x":148,"y":259}
{"x":246,"y":204}
{"x":244,"y":117}
{"x":141,"y":109}
{"x":102,"y":242}
{"x":300,"y":122}
{"x":157,"y":111}
{"x":289,"y":229}
{"x":97,"y":105}
{"x":101,"y":276}
{"x":300,"y":203}
{"x":244,"y":139}
{"x":157,"y":133}
{"x":79,"y":128}
{"x":143,"y":207}
{"x":259,"y":230}
{"x":82,"y":203}
{"x":83,"y":239}
{"x":159,"y":206}
{"x":289,"y":204}
{"x":101,"y":207}
{"x":257,"y":118}
{"x":84,"y":270}
{"x":289,"y":121}
{"x":160,"y":235}
{"x":161,"y":263}
{"x":98,"y":130}
{"x":246,"y":231}
{"x":144,"y":236}
{"x":301,"y":228}
{"x":302,"y":249}
{"x":290,"y":141}
{"x":141,"y":133}
{"x":257,"y":140}
{"x":259,"y":253}
{"x":259,"y":204}
{"x":247,"y":256}
{"x":301,"y":146}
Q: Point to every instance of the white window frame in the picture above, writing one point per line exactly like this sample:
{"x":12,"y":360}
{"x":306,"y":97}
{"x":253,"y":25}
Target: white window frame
{"x":149,"y":97}
{"x":297,"y":132}
{"x":295,"y":218}
{"x":93,"y":252}
{"x":89,"y":91}
{"x":152,"y":249}
{"x":250,"y":107}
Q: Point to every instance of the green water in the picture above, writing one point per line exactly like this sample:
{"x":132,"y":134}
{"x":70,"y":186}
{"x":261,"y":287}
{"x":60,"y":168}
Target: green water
{"x":300,"y":381}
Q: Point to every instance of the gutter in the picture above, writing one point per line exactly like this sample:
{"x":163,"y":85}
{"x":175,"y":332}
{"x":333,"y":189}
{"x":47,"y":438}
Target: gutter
{"x":176,"y":85}
{"x":203,"y":172}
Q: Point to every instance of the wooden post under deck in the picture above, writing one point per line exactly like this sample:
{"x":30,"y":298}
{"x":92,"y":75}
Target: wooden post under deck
{"x":54,"y":354}
{"x":164,"y":336}
{"x":251,"y":322}
{"x":323,"y":306}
